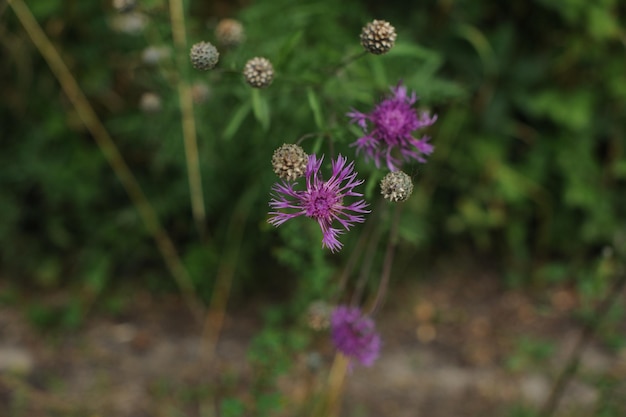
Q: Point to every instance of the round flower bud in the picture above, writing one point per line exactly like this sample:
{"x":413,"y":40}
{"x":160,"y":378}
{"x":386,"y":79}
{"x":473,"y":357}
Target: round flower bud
{"x":200,"y":92}
{"x":378,"y":37}
{"x":152,"y":55}
{"x":258,"y":72}
{"x":124,"y":6}
{"x":204,"y":56}
{"x":130,"y":23}
{"x":289,"y":162}
{"x":150,"y":103}
{"x":229,"y":32}
{"x":396,"y":186}
{"x":318,"y":315}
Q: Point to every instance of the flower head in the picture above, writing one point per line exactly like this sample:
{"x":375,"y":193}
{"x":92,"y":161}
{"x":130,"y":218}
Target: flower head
{"x":396,"y":186}
{"x":124,"y":6}
{"x":204,"y":56}
{"x":389,"y":130}
{"x":290,"y":161}
{"x":355,"y":335}
{"x":152,"y":55}
{"x":258,"y":72}
{"x":318,"y":315}
{"x":229,"y":32}
{"x":321,"y":200}
{"x":150,"y":102}
{"x":378,"y":37}
{"x":200,"y":92}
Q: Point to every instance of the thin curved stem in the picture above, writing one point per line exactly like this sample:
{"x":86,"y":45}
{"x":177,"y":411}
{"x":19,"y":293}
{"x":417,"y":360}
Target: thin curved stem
{"x":354,"y":256}
{"x":110,"y":151}
{"x":366,"y":267}
{"x":586,"y":334}
{"x":308,"y":136}
{"x":388,"y":262}
{"x":216,"y":312}
{"x":347,"y":62}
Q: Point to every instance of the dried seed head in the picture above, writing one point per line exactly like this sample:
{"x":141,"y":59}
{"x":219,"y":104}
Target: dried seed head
{"x":124,"y":6}
{"x":152,"y":55}
{"x":204,"y":56}
{"x":229,"y":32}
{"x":258,"y":72}
{"x":396,"y":186}
{"x":318,"y":315}
{"x":130,"y":23}
{"x":150,"y":103}
{"x":378,"y":37}
{"x":200,"y":92}
{"x":289,"y":162}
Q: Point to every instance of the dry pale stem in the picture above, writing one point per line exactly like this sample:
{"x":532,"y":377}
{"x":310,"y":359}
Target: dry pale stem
{"x":110,"y":151}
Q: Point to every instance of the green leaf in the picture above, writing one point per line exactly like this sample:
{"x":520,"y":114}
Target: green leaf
{"x":619,"y":169}
{"x":97,"y":276}
{"x":315,"y":108}
{"x":510,"y":183}
{"x":45,"y":9}
{"x":428,"y":59}
{"x":481,"y":44}
{"x":72,"y":314}
{"x":48,"y":272}
{"x":372,"y":183}
{"x":602,"y":23}
{"x":379,"y":73}
{"x":553,"y":272}
{"x":232,"y":407}
{"x":572,"y":110}
{"x":261,"y":109}
{"x":268,"y":403}
{"x":318,"y":144}
{"x":236,"y":120}
{"x":288,"y":47}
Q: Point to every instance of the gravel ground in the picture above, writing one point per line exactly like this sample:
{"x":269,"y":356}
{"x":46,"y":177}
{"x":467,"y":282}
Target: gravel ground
{"x":450,"y":350}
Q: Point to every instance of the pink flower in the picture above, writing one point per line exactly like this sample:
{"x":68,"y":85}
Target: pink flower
{"x":391,"y":125}
{"x":355,"y":335}
{"x":321,"y":200}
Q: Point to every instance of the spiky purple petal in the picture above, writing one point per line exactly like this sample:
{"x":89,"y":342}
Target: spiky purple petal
{"x":321,"y":200}
{"x":390,"y":136}
{"x":355,"y":335}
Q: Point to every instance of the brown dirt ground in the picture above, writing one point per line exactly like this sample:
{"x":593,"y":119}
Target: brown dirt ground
{"x":458,"y":345}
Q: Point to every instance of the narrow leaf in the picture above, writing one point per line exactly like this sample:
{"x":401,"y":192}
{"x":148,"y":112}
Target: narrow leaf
{"x":315,"y":108}
{"x":260,"y":108}
{"x":236,"y":120}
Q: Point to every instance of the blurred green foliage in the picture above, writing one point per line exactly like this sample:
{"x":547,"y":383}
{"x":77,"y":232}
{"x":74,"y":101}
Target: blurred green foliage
{"x":529,"y":165}
{"x":530,"y":353}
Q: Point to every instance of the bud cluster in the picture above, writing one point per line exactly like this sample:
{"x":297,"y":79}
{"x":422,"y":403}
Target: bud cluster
{"x":259,"y":72}
{"x":333,"y":200}
{"x":204,"y":56}
{"x":396,"y":186}
{"x":289,"y":162}
{"x":229,"y":33}
{"x":378,"y":37}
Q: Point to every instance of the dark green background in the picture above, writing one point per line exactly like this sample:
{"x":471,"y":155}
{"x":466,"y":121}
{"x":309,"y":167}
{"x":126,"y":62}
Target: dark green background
{"x":529,"y":170}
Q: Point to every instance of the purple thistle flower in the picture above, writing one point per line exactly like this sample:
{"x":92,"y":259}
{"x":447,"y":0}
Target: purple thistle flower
{"x":392,"y":123}
{"x":355,"y":335}
{"x":322,"y":200}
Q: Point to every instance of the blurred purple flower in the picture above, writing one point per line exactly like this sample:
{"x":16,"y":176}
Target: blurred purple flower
{"x":392,"y":123}
{"x":355,"y":335}
{"x":322,"y":200}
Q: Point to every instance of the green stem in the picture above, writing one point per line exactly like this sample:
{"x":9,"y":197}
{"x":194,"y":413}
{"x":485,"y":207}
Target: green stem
{"x":388,"y":262}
